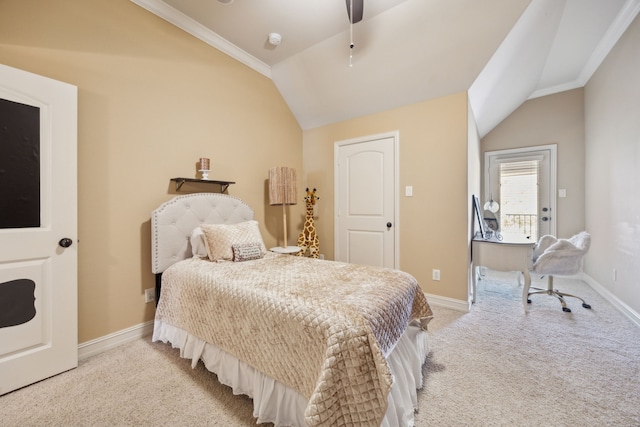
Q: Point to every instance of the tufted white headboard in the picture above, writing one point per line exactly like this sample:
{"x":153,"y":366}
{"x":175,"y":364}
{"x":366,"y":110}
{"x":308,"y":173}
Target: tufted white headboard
{"x":173,"y":222}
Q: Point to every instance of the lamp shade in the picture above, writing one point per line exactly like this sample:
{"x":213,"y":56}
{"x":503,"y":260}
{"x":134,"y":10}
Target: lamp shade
{"x":282,"y":186}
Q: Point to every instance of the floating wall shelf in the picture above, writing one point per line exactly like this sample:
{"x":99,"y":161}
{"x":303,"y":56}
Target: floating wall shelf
{"x":223,"y":184}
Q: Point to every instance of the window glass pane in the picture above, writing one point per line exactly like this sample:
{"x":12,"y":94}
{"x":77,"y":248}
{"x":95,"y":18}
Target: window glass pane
{"x":519,"y":198}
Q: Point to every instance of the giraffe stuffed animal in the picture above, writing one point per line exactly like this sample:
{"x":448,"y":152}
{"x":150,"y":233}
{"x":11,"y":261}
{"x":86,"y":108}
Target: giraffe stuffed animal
{"x":308,"y":238}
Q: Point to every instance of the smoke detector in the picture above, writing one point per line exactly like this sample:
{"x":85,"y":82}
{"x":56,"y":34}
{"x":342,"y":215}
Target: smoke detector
{"x":275,"y":39}
{"x":225,"y":1}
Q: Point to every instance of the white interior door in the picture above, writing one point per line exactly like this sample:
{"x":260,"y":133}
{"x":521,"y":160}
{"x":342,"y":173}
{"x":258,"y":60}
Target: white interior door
{"x":366,"y":201}
{"x":38,"y":210}
{"x":523,"y":182}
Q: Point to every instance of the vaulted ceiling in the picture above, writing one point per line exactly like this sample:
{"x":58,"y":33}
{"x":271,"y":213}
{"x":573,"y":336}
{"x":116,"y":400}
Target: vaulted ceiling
{"x":502,"y":52}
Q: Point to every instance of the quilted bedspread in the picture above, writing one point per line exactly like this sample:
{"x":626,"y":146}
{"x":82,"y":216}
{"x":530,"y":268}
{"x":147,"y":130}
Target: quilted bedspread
{"x":322,"y":328}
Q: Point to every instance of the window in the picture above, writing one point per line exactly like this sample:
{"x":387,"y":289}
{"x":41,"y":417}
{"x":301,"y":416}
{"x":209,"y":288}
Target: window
{"x":519,"y":196}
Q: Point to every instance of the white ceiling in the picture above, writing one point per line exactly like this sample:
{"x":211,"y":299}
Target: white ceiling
{"x":502,"y":51}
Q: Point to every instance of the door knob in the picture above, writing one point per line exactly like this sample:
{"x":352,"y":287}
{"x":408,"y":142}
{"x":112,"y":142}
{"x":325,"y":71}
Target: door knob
{"x":545,"y":209}
{"x":65,"y":242}
{"x":389,"y":225}
{"x":544,"y":218}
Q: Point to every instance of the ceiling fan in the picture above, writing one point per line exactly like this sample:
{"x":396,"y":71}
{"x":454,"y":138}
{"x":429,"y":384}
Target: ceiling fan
{"x":357,"y":6}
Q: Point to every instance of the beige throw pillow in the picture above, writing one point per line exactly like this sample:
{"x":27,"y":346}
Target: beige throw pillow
{"x":220,"y":238}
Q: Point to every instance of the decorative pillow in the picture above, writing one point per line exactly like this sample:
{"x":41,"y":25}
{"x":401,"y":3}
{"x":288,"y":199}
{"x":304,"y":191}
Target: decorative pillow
{"x":220,"y":238}
{"x":198,"y":246}
{"x":246,"y":252}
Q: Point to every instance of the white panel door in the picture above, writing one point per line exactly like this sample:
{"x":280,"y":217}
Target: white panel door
{"x":365,"y":191}
{"x":38,"y":228}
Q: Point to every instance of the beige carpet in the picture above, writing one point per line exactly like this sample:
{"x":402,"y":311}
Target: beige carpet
{"x":495,"y":366}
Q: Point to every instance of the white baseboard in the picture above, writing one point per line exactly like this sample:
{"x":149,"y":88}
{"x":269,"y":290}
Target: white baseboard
{"x":453,"y":304}
{"x":98,"y":345}
{"x":633,"y":315}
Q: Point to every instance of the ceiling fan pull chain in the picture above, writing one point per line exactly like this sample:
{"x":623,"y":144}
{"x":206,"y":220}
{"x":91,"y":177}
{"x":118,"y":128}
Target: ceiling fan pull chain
{"x":351,"y":56}
{"x":351,"y":34}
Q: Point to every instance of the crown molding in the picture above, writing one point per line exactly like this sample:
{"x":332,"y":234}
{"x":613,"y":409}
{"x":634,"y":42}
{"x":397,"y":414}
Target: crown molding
{"x":614,"y":32}
{"x":619,"y":25}
{"x":196,"y":29}
{"x":557,"y":89}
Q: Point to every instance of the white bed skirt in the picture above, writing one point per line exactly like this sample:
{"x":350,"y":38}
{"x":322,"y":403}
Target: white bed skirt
{"x":274,"y":402}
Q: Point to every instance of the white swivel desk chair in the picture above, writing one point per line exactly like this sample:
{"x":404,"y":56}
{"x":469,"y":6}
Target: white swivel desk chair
{"x":559,"y":256}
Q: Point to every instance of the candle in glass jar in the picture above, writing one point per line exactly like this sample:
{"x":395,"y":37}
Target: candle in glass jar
{"x":204,"y":164}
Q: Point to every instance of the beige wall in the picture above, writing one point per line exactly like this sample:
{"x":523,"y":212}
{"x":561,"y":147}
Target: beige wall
{"x":612,"y":111}
{"x":433,"y":159}
{"x":554,"y":119}
{"x":152,"y":100}
{"x":474,"y":179}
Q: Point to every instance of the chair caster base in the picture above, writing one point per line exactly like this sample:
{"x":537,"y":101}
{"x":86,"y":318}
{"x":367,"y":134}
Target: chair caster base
{"x":557,"y":294}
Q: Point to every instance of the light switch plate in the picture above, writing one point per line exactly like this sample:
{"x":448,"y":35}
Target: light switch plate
{"x":408,"y":191}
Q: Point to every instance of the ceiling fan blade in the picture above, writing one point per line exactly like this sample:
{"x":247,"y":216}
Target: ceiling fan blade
{"x":358,"y":7}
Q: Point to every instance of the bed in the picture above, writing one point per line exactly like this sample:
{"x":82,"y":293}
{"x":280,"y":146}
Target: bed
{"x":312,"y":342}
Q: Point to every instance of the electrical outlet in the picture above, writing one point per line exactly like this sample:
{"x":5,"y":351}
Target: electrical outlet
{"x":435,"y":275}
{"x":149,"y":295}
{"x":321,"y":256}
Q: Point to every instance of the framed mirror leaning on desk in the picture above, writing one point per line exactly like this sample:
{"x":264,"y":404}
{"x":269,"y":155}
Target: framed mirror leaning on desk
{"x":512,"y":253}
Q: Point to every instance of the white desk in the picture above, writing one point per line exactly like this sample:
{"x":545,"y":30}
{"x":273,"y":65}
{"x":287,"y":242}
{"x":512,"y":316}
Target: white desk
{"x":512,"y":253}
